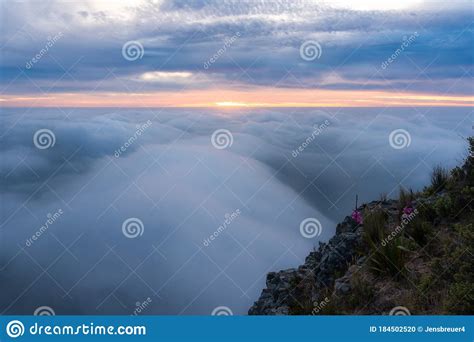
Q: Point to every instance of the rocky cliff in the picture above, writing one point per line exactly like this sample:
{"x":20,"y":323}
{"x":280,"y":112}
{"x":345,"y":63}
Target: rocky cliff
{"x":414,"y":253}
{"x":288,"y":289}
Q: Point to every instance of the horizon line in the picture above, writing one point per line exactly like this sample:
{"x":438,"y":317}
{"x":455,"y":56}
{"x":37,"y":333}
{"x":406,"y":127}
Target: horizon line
{"x":231,"y":98}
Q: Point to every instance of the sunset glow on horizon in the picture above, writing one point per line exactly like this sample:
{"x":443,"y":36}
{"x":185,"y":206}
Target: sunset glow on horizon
{"x":237,"y":61}
{"x":235,"y":98}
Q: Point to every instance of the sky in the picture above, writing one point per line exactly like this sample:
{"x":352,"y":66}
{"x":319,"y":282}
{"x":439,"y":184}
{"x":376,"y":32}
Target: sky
{"x":228,"y":53}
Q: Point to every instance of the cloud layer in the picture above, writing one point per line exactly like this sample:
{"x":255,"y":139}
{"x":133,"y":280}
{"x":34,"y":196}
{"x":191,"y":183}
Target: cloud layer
{"x":180,"y":37}
{"x":182,"y":188}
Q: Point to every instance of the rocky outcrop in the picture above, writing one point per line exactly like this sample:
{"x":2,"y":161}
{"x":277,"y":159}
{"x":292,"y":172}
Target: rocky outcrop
{"x":290,"y":289}
{"x":420,"y":243}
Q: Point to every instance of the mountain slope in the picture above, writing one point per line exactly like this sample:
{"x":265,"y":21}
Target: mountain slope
{"x":410,"y":255}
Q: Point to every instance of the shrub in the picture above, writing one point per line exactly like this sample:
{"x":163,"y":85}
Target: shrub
{"x":374,"y":226}
{"x":390,"y":259}
{"x":439,"y":178}
{"x":458,"y":271}
{"x":444,"y":206}
{"x":427,"y":212}
{"x":419,"y":229}
{"x":460,"y":202}
{"x":464,"y":174}
{"x":460,"y":299}
{"x":405,"y":199}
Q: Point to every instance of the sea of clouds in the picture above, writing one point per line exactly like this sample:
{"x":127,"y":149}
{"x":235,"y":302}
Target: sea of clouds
{"x":160,"y":166}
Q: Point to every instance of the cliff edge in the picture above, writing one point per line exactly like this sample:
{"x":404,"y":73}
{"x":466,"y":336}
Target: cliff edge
{"x":411,"y":255}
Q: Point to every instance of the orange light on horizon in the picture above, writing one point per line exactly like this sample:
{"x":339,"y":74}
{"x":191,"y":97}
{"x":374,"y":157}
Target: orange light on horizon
{"x":231,"y":104}
{"x":230,"y":98}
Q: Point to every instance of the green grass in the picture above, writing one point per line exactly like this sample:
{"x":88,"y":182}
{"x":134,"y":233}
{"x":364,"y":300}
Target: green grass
{"x":374,"y":226}
{"x":389,"y":260}
{"x":386,"y":259}
{"x":439,"y":179}
{"x":444,"y":207}
{"x":419,"y":230}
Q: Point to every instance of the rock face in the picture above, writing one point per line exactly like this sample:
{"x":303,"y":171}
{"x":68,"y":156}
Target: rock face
{"x":322,"y":270}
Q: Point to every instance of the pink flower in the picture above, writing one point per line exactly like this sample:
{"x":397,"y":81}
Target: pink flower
{"x":357,"y":216}
{"x":407,"y":210}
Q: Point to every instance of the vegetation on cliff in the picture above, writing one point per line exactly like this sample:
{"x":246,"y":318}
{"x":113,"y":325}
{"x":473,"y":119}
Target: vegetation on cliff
{"x":415,"y":252}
